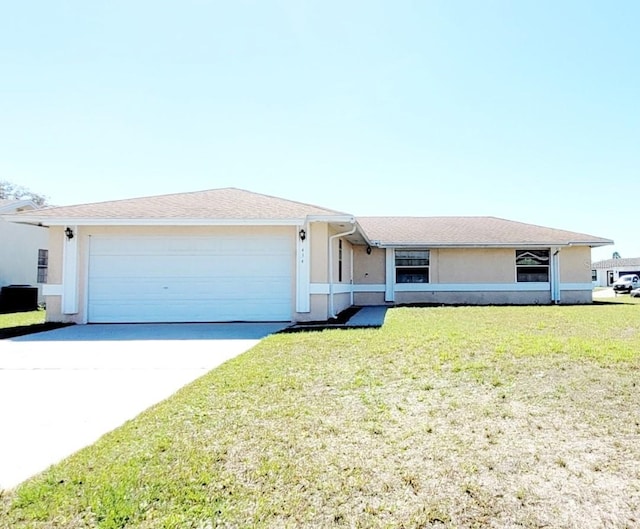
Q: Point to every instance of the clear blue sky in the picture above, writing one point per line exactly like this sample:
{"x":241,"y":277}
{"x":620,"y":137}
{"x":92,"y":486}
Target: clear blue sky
{"x":527,"y":110}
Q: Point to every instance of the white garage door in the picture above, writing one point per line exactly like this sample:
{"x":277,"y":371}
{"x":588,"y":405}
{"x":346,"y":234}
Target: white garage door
{"x":189,"y":279}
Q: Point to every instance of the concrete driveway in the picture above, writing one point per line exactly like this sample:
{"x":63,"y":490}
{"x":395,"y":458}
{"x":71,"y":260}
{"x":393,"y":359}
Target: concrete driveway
{"x":604,"y":293}
{"x":63,"y":389}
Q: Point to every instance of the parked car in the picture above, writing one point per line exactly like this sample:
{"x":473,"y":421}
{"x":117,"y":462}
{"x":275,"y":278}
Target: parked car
{"x":635,"y":293}
{"x":626,"y":283}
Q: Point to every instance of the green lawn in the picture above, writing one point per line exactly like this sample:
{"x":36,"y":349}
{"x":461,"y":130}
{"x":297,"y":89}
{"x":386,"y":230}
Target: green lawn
{"x":20,"y":319}
{"x":21,"y":323}
{"x":446,"y":417}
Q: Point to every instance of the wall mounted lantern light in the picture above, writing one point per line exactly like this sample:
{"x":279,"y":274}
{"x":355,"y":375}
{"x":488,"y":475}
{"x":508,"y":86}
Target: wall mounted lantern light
{"x":368,"y":250}
{"x":302,"y":234}
{"x":69,"y":233}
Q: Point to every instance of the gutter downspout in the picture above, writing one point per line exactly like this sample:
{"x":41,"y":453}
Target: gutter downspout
{"x":331,"y":238}
{"x":555,"y":276}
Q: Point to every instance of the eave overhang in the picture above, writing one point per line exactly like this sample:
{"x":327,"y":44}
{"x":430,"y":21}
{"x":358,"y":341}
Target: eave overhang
{"x":514,"y":244}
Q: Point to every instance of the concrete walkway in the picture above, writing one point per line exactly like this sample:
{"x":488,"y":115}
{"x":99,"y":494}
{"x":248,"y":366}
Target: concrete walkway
{"x":368,"y":317}
{"x":62,"y":390}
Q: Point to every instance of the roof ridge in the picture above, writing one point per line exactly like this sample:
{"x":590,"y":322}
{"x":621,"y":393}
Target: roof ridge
{"x":287,"y":199}
{"x":163,"y":195}
{"x":201,"y":191}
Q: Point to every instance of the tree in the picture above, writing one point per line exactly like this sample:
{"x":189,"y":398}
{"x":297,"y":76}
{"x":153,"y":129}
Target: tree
{"x":9,"y":190}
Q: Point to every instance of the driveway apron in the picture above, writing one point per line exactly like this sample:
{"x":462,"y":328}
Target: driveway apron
{"x":62,"y":390}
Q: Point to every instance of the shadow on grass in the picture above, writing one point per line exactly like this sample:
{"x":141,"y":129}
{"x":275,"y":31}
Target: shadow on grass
{"x":23,"y":330}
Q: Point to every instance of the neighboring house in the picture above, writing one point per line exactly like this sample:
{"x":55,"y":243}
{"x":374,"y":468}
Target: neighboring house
{"x":604,"y":273}
{"x":23,"y":254}
{"x":232,"y":255}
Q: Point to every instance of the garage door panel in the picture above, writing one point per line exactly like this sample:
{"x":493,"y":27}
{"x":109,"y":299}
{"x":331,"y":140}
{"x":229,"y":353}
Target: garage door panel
{"x":190,"y":279}
{"x":186,"y":312}
{"x":186,"y":288}
{"x":108,"y":267}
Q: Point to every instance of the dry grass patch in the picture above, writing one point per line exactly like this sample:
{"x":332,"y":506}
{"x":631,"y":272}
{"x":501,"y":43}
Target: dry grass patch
{"x":446,"y":417}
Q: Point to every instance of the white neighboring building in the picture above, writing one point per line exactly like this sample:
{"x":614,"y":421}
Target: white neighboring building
{"x":604,"y":273}
{"x":23,"y":248}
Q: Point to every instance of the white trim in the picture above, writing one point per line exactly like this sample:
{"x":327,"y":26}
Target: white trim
{"x":303,"y":270}
{"x":554,"y":274}
{"x":333,"y":287}
{"x":323,"y":288}
{"x":347,"y":219}
{"x":509,"y":245}
{"x":35,"y":219}
{"x":85,"y":270}
{"x":351,"y":273}
{"x":169,"y":221}
{"x":51,"y":289}
{"x":390,"y":275}
{"x":70,"y":273}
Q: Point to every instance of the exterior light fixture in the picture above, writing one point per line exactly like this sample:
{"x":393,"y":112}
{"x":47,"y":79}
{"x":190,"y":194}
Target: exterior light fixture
{"x":69,"y":233}
{"x":302,"y":234}
{"x":368,"y":250}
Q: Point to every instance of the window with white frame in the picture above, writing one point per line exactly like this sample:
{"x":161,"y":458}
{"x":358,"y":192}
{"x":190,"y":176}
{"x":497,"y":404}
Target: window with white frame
{"x":412,"y":266}
{"x":43,"y":265}
{"x":532,"y":266}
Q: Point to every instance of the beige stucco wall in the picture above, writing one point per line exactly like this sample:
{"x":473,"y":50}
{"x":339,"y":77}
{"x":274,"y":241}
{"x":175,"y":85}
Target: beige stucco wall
{"x":369,"y":269}
{"x":575,"y":264}
{"x":473,"y":265}
{"x":476,"y":266}
{"x":369,"y":298}
{"x":319,"y":309}
{"x":447,"y":266}
{"x":84,"y":233}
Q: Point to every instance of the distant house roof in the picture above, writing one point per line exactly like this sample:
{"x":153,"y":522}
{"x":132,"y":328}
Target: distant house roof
{"x":468,"y":231}
{"x":215,"y":204}
{"x":10,"y":205}
{"x":617,"y":263}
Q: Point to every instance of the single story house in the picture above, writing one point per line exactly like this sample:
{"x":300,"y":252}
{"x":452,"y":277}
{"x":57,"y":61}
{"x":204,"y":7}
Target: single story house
{"x":233,"y":255}
{"x":605,"y":273}
{"x":24,"y":254}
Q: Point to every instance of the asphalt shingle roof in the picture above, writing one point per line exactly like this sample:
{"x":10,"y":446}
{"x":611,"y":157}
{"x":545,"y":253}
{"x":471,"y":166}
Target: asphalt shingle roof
{"x":466,"y":231}
{"x":618,"y":263}
{"x":238,"y":204}
{"x":225,"y":203}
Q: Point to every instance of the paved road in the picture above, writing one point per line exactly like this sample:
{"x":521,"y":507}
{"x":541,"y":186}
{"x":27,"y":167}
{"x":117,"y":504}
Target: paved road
{"x":61,"y":390}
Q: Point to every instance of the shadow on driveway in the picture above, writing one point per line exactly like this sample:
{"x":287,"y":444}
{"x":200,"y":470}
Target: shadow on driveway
{"x":155,"y":331}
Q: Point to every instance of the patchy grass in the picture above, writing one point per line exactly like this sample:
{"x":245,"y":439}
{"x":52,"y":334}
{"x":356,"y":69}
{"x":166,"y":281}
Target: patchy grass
{"x":21,"y":319}
{"x":21,"y":323}
{"x":446,"y":417}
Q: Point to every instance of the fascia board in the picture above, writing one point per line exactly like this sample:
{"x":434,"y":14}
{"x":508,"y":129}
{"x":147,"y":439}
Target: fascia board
{"x":491,"y":245}
{"x":348,"y":219}
{"x":62,"y":221}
